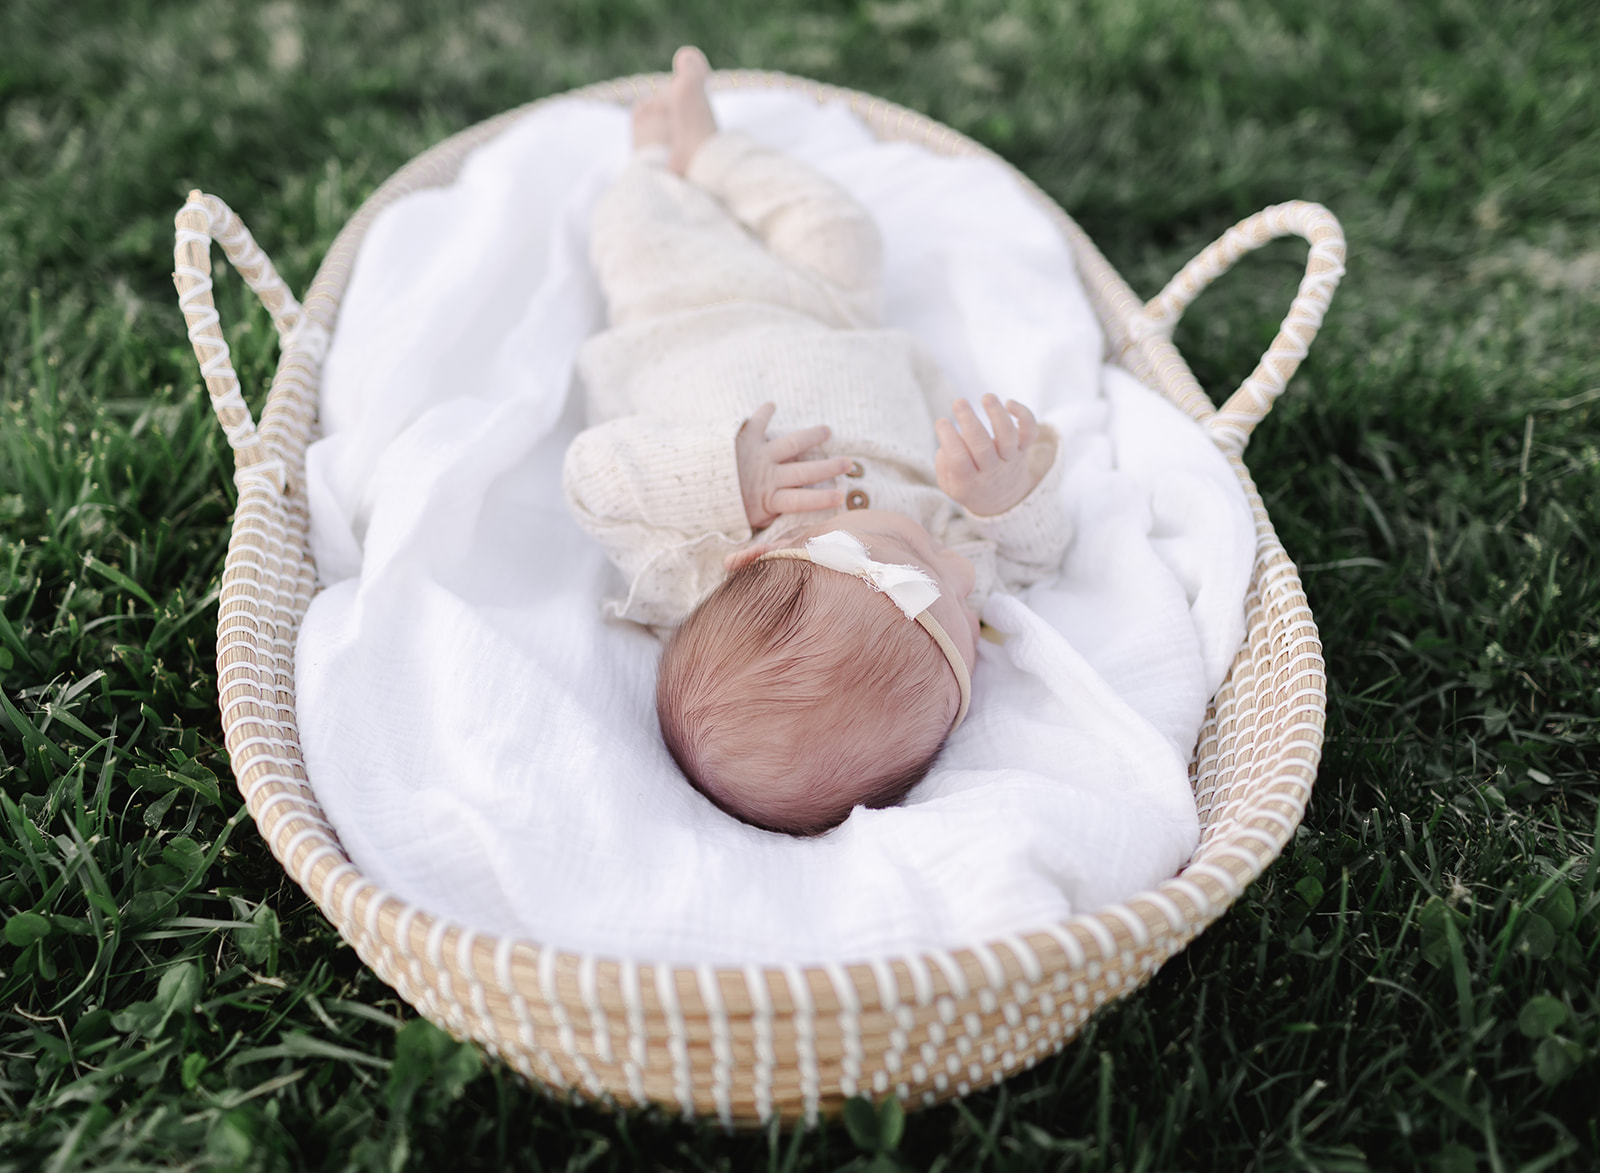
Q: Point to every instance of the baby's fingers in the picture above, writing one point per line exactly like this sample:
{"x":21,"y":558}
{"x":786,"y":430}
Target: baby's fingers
{"x":1003,"y":427}
{"x":759,"y":419}
{"x":808,"y":472}
{"x":789,"y":446}
{"x":978,"y":441}
{"x":953,"y":449}
{"x":805,"y":500}
{"x":1027,"y":426}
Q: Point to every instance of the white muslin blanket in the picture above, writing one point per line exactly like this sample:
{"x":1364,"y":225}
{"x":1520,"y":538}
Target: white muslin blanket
{"x":485,"y":743}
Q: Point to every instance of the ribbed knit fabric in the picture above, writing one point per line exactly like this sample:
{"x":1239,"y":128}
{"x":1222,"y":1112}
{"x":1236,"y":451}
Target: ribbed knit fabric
{"x":757,"y":279}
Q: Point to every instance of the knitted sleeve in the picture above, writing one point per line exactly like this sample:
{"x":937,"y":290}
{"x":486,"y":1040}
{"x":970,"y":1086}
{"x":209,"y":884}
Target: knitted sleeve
{"x":803,"y":217}
{"x":664,"y":501}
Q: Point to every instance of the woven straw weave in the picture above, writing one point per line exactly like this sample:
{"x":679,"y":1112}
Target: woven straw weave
{"x":745,"y":1044}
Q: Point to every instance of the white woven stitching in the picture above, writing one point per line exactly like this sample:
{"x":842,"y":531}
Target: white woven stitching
{"x":677,"y":1039}
{"x":273,"y":778}
{"x":849,"y":1027}
{"x":565,"y":1036}
{"x":954,"y":975}
{"x":401,"y":938}
{"x":309,"y":865}
{"x":993,"y":972}
{"x":226,"y":400}
{"x":433,"y":950}
{"x":1133,"y":921}
{"x":1027,"y":957}
{"x":239,"y":750}
{"x":1102,"y":935}
{"x":266,"y":476}
{"x":519,"y":1010}
{"x":1224,"y":878}
{"x":1175,"y":918}
{"x":589,"y":994}
{"x":755,"y":980}
{"x":638,"y":1053}
{"x":888,"y":986}
{"x":1267,"y":839}
{"x":253,"y":265}
{"x":1070,"y":945}
{"x":433,"y":944}
{"x":921,"y":978}
{"x":466,"y":964}
{"x":721,"y":1045}
{"x":330,"y":883}
{"x":299,"y":838}
{"x":805,"y":1038}
{"x":305,"y":803}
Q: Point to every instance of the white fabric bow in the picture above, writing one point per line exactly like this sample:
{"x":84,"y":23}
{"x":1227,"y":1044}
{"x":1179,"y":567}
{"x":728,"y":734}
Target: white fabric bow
{"x":912,"y":590}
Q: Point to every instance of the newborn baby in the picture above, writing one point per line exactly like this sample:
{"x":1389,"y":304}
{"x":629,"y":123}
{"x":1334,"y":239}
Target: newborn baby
{"x":764,"y":467}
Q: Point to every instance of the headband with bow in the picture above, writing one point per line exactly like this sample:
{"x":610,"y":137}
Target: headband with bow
{"x":908,"y":587}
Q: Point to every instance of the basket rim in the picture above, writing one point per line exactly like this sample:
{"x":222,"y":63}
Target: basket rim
{"x":396,"y":937}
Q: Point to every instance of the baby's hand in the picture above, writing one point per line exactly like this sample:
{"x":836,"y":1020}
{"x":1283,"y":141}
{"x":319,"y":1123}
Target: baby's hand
{"x":770,"y":478}
{"x":987,"y":474}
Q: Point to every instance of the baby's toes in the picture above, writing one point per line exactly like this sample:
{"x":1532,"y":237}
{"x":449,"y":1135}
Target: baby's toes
{"x":692,"y":119}
{"x":690,"y":63}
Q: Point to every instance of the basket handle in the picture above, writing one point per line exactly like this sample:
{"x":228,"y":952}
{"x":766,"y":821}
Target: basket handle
{"x":1245,"y":408}
{"x":203,"y":219}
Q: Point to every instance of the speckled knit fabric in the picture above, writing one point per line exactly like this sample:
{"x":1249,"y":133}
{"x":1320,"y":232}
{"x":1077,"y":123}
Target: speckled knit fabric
{"x":758,"y":279}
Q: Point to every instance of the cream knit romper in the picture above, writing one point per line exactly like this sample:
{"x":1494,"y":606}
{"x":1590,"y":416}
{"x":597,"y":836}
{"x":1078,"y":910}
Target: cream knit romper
{"x":755,"y":279}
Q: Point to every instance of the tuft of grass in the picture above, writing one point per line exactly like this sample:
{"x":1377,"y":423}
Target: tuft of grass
{"x":1416,"y":982}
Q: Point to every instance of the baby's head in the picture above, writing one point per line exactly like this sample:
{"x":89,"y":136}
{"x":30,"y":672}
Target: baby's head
{"x":798,"y":691}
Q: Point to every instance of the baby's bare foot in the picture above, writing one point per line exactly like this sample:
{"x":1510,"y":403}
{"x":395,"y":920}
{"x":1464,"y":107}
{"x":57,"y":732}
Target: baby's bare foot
{"x":652,"y":122}
{"x":692,"y":120}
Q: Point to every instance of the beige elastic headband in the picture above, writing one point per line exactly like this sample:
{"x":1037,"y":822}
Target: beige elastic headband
{"x":931,"y":625}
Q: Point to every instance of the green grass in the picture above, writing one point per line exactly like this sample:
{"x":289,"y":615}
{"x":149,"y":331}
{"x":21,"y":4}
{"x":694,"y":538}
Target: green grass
{"x":1415,"y":984}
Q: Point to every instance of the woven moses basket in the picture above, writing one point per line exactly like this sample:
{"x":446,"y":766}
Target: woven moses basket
{"x":747,"y":1044}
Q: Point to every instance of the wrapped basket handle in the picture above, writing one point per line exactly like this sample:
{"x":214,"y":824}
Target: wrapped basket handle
{"x":1234,"y":420}
{"x":203,"y":219}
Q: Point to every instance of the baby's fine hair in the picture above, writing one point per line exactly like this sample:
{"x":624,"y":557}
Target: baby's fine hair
{"x":795,"y":693}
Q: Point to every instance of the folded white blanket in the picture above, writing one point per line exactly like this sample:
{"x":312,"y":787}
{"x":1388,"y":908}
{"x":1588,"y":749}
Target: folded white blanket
{"x":485,"y":743}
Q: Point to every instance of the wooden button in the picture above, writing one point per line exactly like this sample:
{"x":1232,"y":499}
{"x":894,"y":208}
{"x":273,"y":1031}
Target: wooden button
{"x":856,"y":499}
{"x":855,"y":469}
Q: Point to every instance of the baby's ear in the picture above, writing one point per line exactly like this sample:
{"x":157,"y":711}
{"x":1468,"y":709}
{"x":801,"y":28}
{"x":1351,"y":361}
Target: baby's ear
{"x":739,"y":559}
